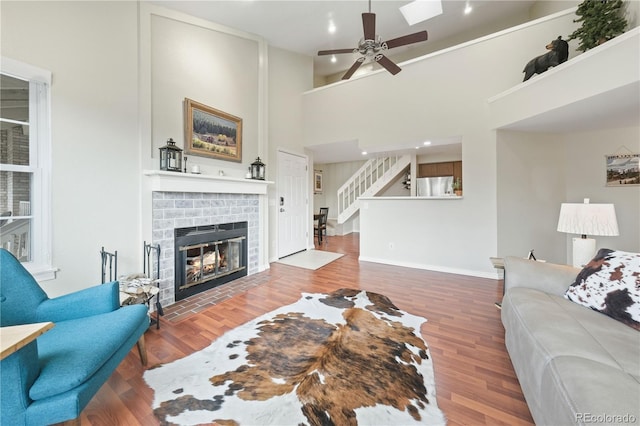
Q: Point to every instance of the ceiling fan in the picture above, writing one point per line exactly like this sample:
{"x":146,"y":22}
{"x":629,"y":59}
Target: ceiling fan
{"x":371,"y":46}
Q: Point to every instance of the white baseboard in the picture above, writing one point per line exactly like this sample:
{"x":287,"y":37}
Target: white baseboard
{"x":469,"y":272}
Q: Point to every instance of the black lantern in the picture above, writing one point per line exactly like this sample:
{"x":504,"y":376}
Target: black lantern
{"x":257,"y":169}
{"x":171,"y":157}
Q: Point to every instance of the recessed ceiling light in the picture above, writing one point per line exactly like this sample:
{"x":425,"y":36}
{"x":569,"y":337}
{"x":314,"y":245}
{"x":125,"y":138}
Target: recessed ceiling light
{"x":421,"y":10}
{"x":427,"y":143}
{"x":364,"y":152}
{"x":332,"y":27}
{"x":334,"y":59}
{"x":468,"y":9}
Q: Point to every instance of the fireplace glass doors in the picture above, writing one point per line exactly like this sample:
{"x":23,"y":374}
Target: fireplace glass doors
{"x":207,"y":256}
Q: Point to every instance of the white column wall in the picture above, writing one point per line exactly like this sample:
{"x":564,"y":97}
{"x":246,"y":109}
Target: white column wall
{"x":532,"y":184}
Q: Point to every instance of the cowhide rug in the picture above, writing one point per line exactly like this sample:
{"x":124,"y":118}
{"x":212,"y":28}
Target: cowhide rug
{"x":345,"y":358}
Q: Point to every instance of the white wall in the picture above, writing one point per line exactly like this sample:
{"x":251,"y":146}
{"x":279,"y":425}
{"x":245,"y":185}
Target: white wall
{"x":439,"y":158}
{"x":544,"y":8}
{"x":290,"y":74}
{"x":531,"y":187}
{"x":209,"y":66}
{"x":414,"y":232}
{"x":91,"y":50}
{"x":586,"y":176}
{"x":537,"y":172}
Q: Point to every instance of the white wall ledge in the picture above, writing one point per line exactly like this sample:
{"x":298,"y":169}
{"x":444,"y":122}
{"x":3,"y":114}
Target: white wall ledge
{"x":161,"y":181}
{"x":576,"y":95}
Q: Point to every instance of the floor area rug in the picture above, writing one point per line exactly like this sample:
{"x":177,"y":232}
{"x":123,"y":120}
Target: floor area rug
{"x":310,"y":259}
{"x":345,"y":358}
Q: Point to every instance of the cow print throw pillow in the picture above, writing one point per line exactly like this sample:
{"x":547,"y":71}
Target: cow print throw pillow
{"x":610,"y":284}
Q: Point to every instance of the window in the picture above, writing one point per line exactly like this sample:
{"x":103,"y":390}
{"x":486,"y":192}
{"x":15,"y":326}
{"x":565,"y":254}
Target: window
{"x":25,"y":208}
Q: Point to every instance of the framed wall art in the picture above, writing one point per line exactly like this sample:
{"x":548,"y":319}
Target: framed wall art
{"x":622,"y":169}
{"x":317,"y":181}
{"x":212,"y":133}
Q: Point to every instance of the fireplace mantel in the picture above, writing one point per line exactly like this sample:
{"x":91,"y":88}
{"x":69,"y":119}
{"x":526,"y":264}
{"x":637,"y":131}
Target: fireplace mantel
{"x":162,"y":181}
{"x":176,"y":200}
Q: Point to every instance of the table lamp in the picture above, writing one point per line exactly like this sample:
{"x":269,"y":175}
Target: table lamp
{"x":587,"y":219}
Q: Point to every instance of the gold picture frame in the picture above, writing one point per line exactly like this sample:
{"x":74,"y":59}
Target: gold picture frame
{"x":212,"y":133}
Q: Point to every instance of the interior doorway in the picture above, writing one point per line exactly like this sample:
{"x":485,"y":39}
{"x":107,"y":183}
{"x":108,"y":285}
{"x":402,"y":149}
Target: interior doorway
{"x":292,"y":200}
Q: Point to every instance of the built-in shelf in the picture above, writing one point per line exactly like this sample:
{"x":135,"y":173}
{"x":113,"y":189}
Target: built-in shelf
{"x":597,"y":89}
{"x":161,"y":181}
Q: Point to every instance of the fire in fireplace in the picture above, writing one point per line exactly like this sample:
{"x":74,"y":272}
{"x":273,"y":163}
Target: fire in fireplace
{"x":207,"y":256}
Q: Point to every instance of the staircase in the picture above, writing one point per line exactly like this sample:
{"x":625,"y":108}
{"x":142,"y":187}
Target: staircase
{"x":368,"y":181}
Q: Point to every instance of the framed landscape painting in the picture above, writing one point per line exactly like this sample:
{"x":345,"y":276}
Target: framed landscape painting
{"x":212,"y":133}
{"x":317,"y":181}
{"x":623,"y":169}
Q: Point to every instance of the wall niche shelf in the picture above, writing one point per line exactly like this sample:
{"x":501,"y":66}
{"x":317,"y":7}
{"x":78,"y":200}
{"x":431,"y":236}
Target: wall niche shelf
{"x":597,"y":89}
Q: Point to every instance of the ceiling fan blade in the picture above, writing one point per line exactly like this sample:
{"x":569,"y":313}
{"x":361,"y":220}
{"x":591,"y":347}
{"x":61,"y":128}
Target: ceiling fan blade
{"x":369,"y":25}
{"x":334,"y":51}
{"x":408,"y":39}
{"x":388,"y":64}
{"x":353,"y":69}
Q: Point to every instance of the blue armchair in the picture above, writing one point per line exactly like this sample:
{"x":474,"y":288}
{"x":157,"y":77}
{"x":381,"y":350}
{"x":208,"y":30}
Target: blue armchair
{"x":52,"y":379}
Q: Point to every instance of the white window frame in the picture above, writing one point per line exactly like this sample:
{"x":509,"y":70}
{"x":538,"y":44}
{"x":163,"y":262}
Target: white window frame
{"x":40,"y":265}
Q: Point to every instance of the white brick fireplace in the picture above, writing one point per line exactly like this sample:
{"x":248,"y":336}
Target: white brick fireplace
{"x":178,"y":200}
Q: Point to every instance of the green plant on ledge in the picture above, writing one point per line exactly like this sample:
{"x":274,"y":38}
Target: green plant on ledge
{"x":601,"y":20}
{"x":457,"y":186}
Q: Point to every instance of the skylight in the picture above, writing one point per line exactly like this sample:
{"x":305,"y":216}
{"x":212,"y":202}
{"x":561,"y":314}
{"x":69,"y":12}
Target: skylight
{"x":421,"y":10}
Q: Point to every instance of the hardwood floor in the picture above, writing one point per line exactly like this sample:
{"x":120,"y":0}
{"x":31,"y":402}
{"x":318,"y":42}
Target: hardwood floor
{"x":475,"y":382}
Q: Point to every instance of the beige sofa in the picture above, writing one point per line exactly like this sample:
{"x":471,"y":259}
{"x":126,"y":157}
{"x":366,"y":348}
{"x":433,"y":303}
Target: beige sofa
{"x":575,"y":365}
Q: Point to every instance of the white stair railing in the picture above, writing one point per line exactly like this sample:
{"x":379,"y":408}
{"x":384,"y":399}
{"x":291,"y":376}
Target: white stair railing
{"x":370,"y":179}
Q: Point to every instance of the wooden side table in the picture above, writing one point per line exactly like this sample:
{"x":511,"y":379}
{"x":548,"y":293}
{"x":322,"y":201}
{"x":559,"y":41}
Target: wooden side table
{"x":18,"y":336}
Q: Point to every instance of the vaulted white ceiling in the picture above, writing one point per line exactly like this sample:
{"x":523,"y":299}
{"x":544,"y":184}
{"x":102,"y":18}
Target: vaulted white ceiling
{"x":303,"y":25}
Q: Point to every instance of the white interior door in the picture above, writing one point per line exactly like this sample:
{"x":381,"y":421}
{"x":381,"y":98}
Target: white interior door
{"x":292,"y":203}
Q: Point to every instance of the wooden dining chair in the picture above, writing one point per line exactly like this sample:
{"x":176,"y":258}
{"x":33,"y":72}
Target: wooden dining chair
{"x":320,"y":228}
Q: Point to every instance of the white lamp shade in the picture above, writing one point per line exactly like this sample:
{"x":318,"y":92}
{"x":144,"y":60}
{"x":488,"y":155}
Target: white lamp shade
{"x":588,"y":219}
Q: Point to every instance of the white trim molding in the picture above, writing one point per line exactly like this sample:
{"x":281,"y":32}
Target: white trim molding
{"x":162,"y":181}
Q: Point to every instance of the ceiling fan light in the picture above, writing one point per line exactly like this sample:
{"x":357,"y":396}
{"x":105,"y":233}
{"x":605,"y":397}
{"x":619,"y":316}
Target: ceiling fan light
{"x":371,"y":46}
